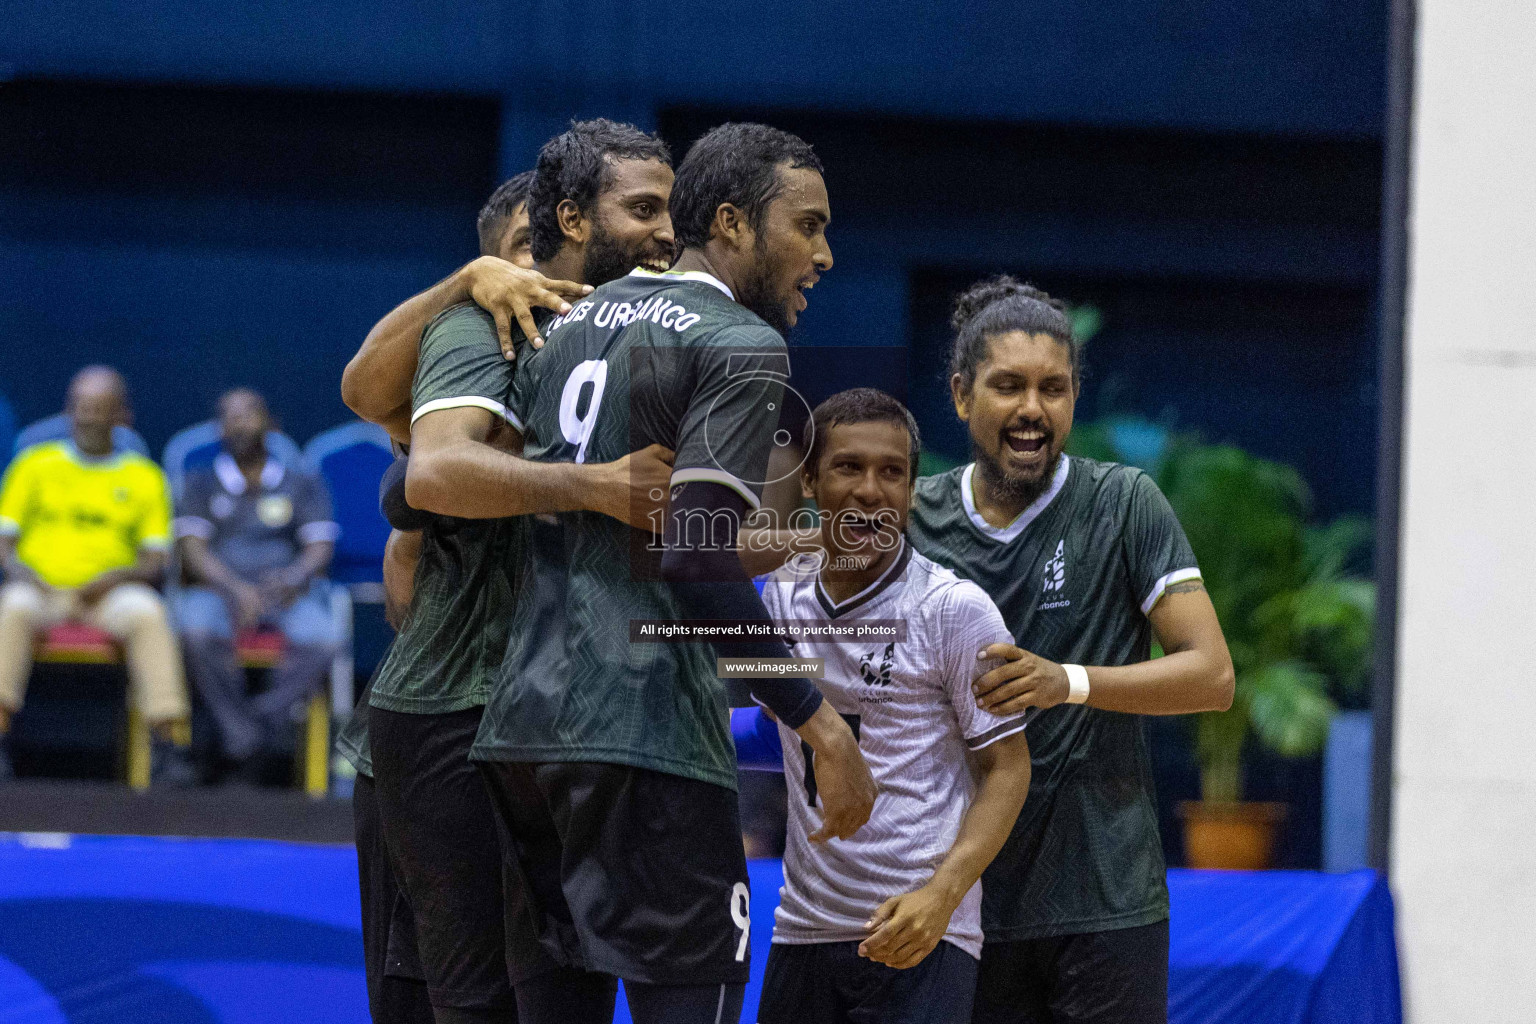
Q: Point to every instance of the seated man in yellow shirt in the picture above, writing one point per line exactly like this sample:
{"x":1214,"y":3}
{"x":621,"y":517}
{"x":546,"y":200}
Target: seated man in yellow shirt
{"x":83,"y":537}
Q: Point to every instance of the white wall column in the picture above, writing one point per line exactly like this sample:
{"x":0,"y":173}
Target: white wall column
{"x":1464,"y":796}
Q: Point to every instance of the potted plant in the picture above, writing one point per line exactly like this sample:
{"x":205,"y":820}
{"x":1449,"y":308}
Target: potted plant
{"x":1297,"y":621}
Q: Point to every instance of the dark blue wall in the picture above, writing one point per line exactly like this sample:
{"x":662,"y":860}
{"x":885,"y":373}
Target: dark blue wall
{"x":1246,"y":65}
{"x":1235,"y":274}
{"x":207,"y":196}
{"x":200,"y":239}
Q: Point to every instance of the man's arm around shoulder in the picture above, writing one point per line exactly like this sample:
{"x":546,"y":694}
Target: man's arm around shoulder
{"x":377,"y":381}
{"x":1194,"y":674}
{"x":453,"y":471}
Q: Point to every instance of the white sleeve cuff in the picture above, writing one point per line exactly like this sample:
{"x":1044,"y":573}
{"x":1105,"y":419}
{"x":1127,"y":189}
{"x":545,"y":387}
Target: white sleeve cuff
{"x":468,"y":402}
{"x":715,"y":476}
{"x":317,"y":532}
{"x":155,"y":544}
{"x":191,"y":526}
{"x":997,"y":732}
{"x":9,"y":527}
{"x":1177,"y":576}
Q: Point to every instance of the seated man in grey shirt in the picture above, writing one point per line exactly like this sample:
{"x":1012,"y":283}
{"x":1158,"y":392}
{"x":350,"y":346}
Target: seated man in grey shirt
{"x":255,"y":538}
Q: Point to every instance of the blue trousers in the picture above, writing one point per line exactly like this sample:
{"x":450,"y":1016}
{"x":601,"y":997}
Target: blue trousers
{"x":247,"y":723}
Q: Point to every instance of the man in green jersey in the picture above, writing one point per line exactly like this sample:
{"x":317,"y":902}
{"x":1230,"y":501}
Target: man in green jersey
{"x":1088,"y":565}
{"x":397,"y":990}
{"x":610,"y":760}
{"x":426,"y":702}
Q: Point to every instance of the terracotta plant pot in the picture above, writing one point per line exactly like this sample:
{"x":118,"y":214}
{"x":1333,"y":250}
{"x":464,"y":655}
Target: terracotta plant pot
{"x":1230,"y":836}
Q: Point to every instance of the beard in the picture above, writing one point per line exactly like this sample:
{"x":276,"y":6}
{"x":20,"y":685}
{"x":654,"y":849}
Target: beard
{"x":756,"y":292}
{"x":93,"y":439}
{"x":1020,"y":490}
{"x":606,"y":260}
{"x":243,"y":447}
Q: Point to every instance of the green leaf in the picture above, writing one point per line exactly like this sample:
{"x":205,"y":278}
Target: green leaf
{"x":1086,"y":322}
{"x":1293,"y":600}
{"x":1245,"y":520}
{"x":1289,"y":707}
{"x":1092,"y":441}
{"x":1340,"y":547}
{"x":931,"y":464}
{"x":1333,"y":623}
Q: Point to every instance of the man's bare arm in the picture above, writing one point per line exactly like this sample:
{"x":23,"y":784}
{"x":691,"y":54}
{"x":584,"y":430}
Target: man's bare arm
{"x":16,"y":571}
{"x":1195,"y":673}
{"x":377,"y":381}
{"x":454,"y":472}
{"x":203,"y":566}
{"x":279,"y":587}
{"x":148,"y":568}
{"x":763,"y":549}
{"x":906,"y":928}
{"x":401,"y":553}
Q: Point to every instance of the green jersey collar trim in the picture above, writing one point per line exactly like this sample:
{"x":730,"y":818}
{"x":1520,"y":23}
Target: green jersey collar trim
{"x":1007,"y":533}
{"x":687,"y":275}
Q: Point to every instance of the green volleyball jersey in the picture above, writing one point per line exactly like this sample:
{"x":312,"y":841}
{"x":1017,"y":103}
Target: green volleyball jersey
{"x":455,"y":633}
{"x":352,"y":739}
{"x":1075,"y":577}
{"x":649,"y":358}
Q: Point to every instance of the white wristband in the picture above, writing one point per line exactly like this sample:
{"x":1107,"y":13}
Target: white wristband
{"x":1077,"y":684}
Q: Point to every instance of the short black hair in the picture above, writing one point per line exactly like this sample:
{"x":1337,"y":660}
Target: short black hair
{"x":737,"y":164}
{"x":999,"y":305}
{"x":491,"y":225}
{"x":575,"y":165}
{"x":858,"y":405}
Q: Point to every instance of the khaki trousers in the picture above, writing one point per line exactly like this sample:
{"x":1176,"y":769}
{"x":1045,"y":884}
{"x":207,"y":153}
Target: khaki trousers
{"x":132,"y":613}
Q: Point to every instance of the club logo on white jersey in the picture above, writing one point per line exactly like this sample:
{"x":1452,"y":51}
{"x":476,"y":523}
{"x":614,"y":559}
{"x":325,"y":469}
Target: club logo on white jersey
{"x":880,"y":676}
{"x":1054,"y":578}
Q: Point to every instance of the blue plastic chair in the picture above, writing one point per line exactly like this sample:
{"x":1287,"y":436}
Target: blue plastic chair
{"x":352,"y":459}
{"x":56,"y":428}
{"x":196,"y":447}
{"x":7,"y":431}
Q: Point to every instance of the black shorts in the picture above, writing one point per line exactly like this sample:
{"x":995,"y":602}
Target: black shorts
{"x":397,"y":991}
{"x":627,"y":871}
{"x":437,"y":820}
{"x":1112,"y":977}
{"x":829,"y":983}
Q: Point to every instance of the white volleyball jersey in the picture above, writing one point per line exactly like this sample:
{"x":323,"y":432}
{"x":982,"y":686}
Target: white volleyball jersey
{"x":911,"y":706}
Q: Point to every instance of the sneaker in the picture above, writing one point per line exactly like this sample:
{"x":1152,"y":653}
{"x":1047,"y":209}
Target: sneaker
{"x":171,"y":766}
{"x":7,"y":772}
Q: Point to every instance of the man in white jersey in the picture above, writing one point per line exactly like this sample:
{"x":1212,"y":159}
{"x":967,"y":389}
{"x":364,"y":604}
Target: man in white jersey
{"x":885,"y":926}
